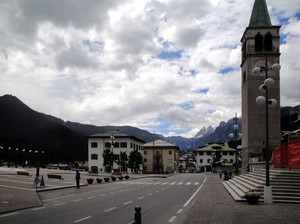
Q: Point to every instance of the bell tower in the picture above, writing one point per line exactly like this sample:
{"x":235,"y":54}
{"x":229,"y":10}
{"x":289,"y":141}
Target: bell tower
{"x":260,"y":47}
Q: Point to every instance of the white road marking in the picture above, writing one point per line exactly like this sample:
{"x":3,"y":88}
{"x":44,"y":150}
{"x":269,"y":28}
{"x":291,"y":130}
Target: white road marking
{"x":140,"y":198}
{"x":9,"y":214}
{"x":188,"y":183}
{"x":59,"y":204}
{"x":197,"y":183}
{"x":128,"y":202}
{"x":36,"y":209}
{"x":83,"y":219}
{"x":172,"y":183}
{"x":101,"y":195}
{"x":164,"y":183}
{"x":19,"y":188}
{"x":191,"y":198}
{"x":110,"y":209}
{"x":156,"y":191}
{"x":91,"y":197}
{"x":180,"y":183}
{"x":77,"y":200}
{"x":173,"y":218}
{"x":150,"y":194}
{"x":179,"y":211}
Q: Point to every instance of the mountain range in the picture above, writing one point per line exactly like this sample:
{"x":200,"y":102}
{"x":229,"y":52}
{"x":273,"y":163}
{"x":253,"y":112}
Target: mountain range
{"x":22,"y":127}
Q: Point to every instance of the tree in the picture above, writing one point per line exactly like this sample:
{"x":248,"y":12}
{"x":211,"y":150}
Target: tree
{"x":107,"y":159}
{"x":135,"y":158}
{"x":123,"y":161}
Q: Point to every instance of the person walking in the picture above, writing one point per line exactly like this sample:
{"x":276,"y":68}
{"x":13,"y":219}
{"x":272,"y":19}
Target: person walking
{"x":220,"y":173}
{"x":77,"y":177}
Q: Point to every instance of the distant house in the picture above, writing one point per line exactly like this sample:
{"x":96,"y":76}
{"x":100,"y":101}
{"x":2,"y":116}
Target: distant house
{"x":160,"y":157}
{"x":214,"y":154}
{"x":122,"y":142}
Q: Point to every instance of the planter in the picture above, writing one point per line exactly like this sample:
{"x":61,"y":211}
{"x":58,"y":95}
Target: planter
{"x":252,"y":200}
{"x":106,"y":179}
{"x":252,"y":197}
{"x":99,"y":180}
{"x":126,"y":177}
{"x":120,"y":178}
{"x":90,"y":180}
{"x":113,"y":178}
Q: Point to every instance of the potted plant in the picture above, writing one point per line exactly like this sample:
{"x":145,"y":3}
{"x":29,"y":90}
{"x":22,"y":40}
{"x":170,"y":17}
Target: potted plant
{"x":99,"y":180}
{"x":126,"y":177}
{"x":252,"y":197}
{"x":90,"y":180}
{"x":106,"y":179}
{"x":113,"y":178}
{"x":120,"y":178}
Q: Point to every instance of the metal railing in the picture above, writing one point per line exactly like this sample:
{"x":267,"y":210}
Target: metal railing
{"x":258,"y":166}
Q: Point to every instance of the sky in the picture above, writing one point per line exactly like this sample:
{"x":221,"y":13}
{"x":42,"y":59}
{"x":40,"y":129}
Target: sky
{"x":170,"y":67}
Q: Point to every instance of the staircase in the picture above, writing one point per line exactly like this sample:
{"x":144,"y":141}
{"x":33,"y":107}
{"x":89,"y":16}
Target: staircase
{"x":285,"y":185}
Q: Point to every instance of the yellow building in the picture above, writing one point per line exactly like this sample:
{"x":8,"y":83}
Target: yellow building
{"x":160,"y":157}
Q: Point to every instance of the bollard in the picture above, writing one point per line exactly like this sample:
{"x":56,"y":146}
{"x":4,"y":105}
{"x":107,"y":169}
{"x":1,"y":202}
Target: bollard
{"x":138,"y":215}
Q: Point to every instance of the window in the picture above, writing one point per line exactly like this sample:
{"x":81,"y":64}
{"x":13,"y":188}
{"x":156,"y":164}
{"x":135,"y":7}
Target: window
{"x":231,"y":160}
{"x":231,"y":153}
{"x":116,"y":157}
{"x":94,"y":144}
{"x":145,"y":152}
{"x":170,"y":152}
{"x":201,"y":153}
{"x":258,"y":42}
{"x":123,"y":144}
{"x":117,"y":145}
{"x":94,"y":169}
{"x":244,"y":76}
{"x":208,"y":160}
{"x":201,"y":160}
{"x":268,"y":42}
{"x":208,"y":153}
{"x":94,"y":156}
{"x":145,"y":160}
{"x":224,"y":153}
{"x":107,"y":145}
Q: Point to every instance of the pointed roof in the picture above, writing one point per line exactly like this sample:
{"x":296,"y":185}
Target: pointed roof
{"x":260,"y":15}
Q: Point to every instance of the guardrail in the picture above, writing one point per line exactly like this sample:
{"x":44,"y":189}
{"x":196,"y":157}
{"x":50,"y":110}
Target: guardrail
{"x":258,"y":166}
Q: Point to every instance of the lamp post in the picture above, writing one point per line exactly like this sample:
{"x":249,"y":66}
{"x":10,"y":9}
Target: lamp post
{"x":235,"y":135}
{"x":112,"y":142}
{"x":272,"y":103}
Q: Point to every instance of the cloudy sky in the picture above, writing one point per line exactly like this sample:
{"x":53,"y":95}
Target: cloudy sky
{"x":167,"y":66}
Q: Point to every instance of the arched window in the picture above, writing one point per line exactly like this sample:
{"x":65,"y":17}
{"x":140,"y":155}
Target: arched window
{"x":258,"y":42}
{"x":268,"y":42}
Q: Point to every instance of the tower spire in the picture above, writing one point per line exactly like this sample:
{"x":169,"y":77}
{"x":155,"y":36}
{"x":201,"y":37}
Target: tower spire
{"x":260,"y":15}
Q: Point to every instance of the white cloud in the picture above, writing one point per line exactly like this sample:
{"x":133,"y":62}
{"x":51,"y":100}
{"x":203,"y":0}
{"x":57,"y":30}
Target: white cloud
{"x":97,"y":61}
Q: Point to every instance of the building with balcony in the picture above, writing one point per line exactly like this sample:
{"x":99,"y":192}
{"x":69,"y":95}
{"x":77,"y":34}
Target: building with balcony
{"x":212,"y":155}
{"x":160,"y":157}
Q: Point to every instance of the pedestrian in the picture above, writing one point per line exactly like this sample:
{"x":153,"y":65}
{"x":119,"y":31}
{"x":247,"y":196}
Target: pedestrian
{"x":77,"y":177}
{"x":225,"y":175}
{"x":220,"y":173}
{"x":230,"y":173}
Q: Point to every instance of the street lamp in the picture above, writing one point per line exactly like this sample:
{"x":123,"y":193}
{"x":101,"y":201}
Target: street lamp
{"x":272,"y":103}
{"x":112,"y":142}
{"x":235,"y":135}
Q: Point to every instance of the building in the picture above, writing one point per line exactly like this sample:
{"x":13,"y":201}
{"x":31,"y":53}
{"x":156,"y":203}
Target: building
{"x":122,"y":142}
{"x":160,"y":157}
{"x":260,"y":46}
{"x":212,"y":155}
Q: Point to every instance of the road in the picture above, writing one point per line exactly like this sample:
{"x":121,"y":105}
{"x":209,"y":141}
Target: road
{"x":163,"y":200}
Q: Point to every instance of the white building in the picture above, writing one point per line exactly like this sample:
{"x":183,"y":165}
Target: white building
{"x":213,"y":154}
{"x":97,"y":143}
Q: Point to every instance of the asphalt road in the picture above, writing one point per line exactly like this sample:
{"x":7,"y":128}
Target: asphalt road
{"x":163,"y":200}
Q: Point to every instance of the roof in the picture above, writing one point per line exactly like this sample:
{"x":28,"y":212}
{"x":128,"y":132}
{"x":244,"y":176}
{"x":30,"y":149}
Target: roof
{"x":260,"y":15}
{"x":215,"y":147}
{"x":160,"y":144}
{"x":117,"y":134}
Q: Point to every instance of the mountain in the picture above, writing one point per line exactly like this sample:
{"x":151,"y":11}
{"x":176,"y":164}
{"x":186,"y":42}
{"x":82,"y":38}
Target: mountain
{"x":22,"y":127}
{"x":204,"y":132}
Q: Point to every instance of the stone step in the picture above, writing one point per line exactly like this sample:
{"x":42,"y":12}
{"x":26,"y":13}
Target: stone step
{"x":239,"y":189}
{"x":232,"y":192}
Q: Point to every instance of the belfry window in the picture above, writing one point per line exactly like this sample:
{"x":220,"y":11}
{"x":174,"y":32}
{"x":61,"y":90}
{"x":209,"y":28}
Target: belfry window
{"x":258,"y":42}
{"x":268,"y":42}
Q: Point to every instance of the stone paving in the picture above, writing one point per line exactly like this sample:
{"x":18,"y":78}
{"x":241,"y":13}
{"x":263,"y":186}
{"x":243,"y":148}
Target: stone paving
{"x":214,"y":205}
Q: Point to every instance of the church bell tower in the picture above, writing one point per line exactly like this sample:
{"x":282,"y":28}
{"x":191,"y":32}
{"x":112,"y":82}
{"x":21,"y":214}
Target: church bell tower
{"x":260,"y":47}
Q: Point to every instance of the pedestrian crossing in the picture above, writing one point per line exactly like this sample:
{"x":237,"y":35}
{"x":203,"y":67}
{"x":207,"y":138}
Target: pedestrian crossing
{"x":162,"y":183}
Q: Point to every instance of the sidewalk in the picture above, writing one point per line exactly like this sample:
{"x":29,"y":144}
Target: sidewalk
{"x":215,"y":205}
